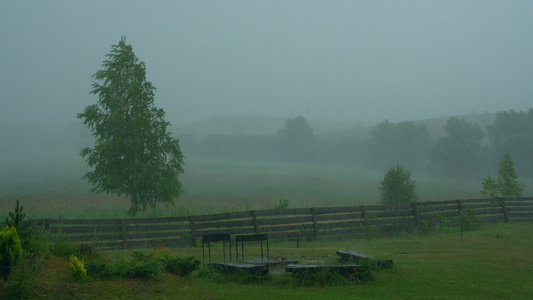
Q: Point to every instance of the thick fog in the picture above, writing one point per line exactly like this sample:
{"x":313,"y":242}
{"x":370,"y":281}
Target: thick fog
{"x":354,"y":61}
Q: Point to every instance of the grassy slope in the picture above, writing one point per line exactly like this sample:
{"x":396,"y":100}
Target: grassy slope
{"x":494,"y":262}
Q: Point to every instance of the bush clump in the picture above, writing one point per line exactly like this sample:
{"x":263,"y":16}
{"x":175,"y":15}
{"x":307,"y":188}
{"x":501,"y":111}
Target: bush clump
{"x":397,"y":187}
{"x":77,"y":267}
{"x":181,"y":266}
{"x":104,"y":270}
{"x":468,"y":220}
{"x":140,"y":266}
{"x":10,"y":250}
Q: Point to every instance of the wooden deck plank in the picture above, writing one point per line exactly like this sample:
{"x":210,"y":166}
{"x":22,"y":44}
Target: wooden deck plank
{"x":345,"y":270}
{"x":271,"y":262}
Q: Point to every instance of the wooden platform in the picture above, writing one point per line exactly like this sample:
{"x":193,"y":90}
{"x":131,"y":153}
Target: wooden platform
{"x":357,"y":257}
{"x":228,"y":267}
{"x":271,"y":262}
{"x":345,"y":270}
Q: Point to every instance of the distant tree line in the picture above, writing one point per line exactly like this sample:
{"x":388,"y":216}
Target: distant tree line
{"x":465,"y":150}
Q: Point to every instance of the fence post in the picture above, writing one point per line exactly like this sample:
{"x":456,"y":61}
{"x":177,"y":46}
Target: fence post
{"x":460,"y":208}
{"x":193,"y":231}
{"x":363,"y":215}
{"x":47,"y":225}
{"x":315,"y":222}
{"x":416,"y":213}
{"x":123,"y":233}
{"x":504,"y":208}
{"x":254,"y":221}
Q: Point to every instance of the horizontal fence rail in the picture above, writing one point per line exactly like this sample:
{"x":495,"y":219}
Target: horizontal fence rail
{"x":291,"y":224}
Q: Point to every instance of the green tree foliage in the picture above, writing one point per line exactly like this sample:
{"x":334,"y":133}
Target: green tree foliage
{"x":506,"y":185}
{"x":134,"y":154}
{"x":513,"y":132}
{"x":16,"y":219}
{"x":402,"y":143}
{"x":490,"y":187}
{"x":397,"y":187}
{"x":507,"y":178}
{"x":296,"y":139}
{"x":460,"y":153}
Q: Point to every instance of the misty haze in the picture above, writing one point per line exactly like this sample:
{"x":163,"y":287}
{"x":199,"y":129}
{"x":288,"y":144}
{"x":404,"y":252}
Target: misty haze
{"x":400,"y":129}
{"x":376,"y":85}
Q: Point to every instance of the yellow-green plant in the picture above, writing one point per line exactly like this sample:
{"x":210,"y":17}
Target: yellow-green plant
{"x":77,"y":267}
{"x":160,"y":250}
{"x":10,"y":250}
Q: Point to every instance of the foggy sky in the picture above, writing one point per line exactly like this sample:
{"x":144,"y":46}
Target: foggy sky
{"x":335,"y":60}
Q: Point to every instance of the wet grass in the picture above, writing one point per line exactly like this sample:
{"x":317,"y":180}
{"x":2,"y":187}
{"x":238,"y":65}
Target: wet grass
{"x":54,"y":188}
{"x":494,"y":262}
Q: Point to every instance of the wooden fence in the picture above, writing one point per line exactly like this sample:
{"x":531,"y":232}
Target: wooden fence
{"x":294,"y":223}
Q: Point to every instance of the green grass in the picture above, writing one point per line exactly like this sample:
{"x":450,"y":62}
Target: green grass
{"x":494,"y":262}
{"x":53,"y":188}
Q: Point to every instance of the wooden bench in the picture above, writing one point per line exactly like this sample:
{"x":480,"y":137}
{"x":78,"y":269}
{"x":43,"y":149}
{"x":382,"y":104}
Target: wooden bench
{"x":272,"y":262}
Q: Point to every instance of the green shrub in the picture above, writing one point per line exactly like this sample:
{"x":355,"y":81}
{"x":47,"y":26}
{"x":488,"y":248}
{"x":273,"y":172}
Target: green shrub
{"x":397,"y":187}
{"x":101,"y":270}
{"x":22,"y":278}
{"x":506,"y":184}
{"x":468,"y":220}
{"x":33,"y":241}
{"x":104,"y":270}
{"x":37,"y":245}
{"x":424,"y":226}
{"x":77,"y":267}
{"x":445,"y":225}
{"x":181,"y":266}
{"x":138,"y":257}
{"x":143,"y":271}
{"x":10,"y":250}
{"x":63,"y":248}
{"x":16,"y":219}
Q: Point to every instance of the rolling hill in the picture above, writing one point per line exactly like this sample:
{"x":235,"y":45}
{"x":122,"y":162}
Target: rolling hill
{"x":248,"y":125}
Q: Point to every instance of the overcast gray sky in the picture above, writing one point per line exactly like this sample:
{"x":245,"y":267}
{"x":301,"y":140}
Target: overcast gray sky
{"x":335,"y":60}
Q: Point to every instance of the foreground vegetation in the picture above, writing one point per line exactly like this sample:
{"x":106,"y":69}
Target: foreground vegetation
{"x":493,"y":262}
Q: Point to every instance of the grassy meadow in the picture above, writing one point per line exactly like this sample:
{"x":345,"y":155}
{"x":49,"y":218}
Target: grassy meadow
{"x":493,"y":262}
{"x":53,"y":188}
